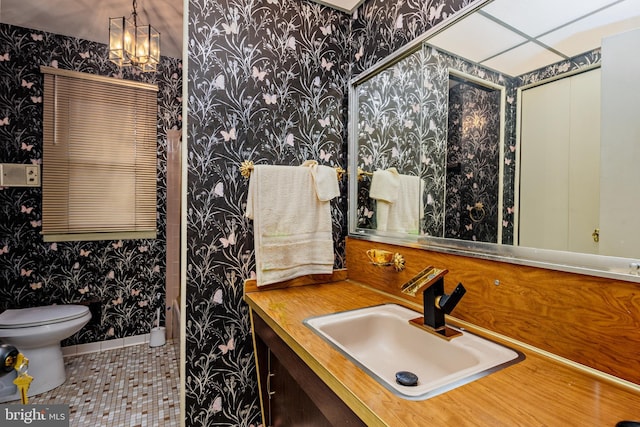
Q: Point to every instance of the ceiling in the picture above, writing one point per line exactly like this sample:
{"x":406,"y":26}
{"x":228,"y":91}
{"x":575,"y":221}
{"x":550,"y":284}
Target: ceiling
{"x":89,"y":19}
{"x":511,"y":36}
{"x":518,"y":36}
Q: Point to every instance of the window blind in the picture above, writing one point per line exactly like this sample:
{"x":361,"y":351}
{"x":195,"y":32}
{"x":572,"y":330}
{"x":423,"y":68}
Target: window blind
{"x":99,"y":157}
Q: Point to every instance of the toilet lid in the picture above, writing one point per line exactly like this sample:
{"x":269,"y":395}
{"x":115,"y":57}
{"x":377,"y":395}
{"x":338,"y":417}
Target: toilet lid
{"x":36,"y":316}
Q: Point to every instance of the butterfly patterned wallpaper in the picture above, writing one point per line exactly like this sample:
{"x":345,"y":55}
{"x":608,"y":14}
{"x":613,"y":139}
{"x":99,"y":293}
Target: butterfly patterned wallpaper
{"x":126,"y":277}
{"x":268,"y":82}
{"x":402,"y":122}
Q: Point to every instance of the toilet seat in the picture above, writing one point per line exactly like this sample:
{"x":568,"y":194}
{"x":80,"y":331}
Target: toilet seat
{"x":37,"y":316}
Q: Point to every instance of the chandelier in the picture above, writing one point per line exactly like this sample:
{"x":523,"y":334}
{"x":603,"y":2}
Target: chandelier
{"x":131,"y":45}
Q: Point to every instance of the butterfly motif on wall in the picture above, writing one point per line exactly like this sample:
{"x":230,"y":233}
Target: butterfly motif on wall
{"x":257,"y":74}
{"x":4,"y":57}
{"x":291,"y":43}
{"x":35,"y":224}
{"x":111,"y":275}
{"x":269,"y":99}
{"x":117,"y":244}
{"x":143,"y":248}
{"x":217,"y":296}
{"x":4,"y":250}
{"x":84,"y":290}
{"x":395,"y":152}
{"x":435,"y":12}
{"x":4,"y":121}
{"x":231,"y":240}
{"x":25,"y":209}
{"x":36,"y":37}
{"x":53,"y":246}
{"x":216,"y":406}
{"x":26,"y":84}
{"x":316,"y":81}
{"x":469,"y":227}
{"x":25,"y":273}
{"x":135,"y":292}
{"x":143,"y":303}
{"x":326,"y":156}
{"x":369,"y":129}
{"x":368,"y":213}
{"x":37,"y":285}
{"x":84,"y":253}
{"x":226,"y":347}
{"x":368,"y":160}
{"x":218,"y":190}
{"x":326,"y":64}
{"x":36,"y":99}
{"x":324,"y":122}
{"x":26,"y":147}
{"x":218,"y":83}
{"x":399,"y":23}
{"x":227,"y":136}
{"x":326,"y":30}
{"x":117,"y":301}
{"x":230,"y":29}
{"x":84,"y":55}
{"x":360,"y":53}
{"x":289,"y":139}
{"x":408,"y":124}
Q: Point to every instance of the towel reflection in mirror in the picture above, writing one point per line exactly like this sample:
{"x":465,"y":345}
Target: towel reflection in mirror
{"x":398,"y":201}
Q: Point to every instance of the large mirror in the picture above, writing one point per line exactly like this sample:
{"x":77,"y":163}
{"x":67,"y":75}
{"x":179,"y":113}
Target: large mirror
{"x":506,"y":132}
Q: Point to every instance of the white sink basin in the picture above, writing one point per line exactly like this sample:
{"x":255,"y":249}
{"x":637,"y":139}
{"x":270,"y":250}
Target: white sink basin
{"x":381,"y":341}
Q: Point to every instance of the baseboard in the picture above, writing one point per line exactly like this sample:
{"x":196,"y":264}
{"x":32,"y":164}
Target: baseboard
{"x":95,"y":347}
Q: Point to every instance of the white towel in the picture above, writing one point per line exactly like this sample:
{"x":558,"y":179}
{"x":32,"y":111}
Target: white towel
{"x":292,"y":225}
{"x":399,"y":206}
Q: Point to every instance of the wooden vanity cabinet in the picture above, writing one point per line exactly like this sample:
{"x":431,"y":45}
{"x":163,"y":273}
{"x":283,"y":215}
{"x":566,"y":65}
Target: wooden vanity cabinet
{"x":291,"y":393}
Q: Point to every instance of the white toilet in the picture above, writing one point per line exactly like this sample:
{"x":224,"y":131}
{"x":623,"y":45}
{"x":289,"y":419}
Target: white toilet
{"x":36,"y":332}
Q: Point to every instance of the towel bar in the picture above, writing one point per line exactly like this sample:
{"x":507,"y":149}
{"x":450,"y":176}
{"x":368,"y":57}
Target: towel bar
{"x":247,"y":166}
{"x":362,"y":173}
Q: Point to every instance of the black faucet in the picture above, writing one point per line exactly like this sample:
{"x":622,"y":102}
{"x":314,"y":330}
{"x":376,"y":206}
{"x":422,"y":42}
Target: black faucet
{"x":435,"y":302}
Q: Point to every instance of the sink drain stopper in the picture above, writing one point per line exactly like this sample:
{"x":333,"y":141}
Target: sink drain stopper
{"x":407,"y":378}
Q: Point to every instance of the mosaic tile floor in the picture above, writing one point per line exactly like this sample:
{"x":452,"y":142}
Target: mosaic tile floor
{"x":134,"y":386}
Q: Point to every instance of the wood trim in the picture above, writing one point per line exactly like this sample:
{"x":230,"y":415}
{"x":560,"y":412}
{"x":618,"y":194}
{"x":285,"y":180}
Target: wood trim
{"x":259,"y":355}
{"x":536,"y":391}
{"x":589,"y":320}
{"x":251,"y":285}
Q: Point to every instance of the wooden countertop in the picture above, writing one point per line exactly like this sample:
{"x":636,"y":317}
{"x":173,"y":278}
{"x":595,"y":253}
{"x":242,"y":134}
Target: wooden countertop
{"x":538,"y":391}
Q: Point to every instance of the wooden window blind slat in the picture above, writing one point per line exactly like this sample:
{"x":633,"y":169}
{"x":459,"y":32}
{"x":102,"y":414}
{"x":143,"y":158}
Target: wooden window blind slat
{"x":99,"y":160}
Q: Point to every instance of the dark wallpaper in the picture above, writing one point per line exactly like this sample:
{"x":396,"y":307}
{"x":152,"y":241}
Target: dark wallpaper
{"x":268,"y":82}
{"x":125,"y":278}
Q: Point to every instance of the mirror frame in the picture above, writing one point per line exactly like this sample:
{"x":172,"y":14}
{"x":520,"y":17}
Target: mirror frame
{"x":627,"y":269}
